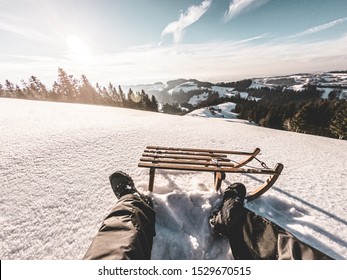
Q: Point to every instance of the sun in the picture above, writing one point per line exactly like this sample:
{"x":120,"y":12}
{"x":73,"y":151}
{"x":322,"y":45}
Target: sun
{"x":77,"y":49}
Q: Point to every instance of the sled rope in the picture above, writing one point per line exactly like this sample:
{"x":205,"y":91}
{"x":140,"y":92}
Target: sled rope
{"x":263,"y":164}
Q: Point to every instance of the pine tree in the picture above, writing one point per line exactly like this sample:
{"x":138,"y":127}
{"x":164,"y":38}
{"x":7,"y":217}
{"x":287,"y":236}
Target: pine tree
{"x":298,"y":122}
{"x":54,"y":96}
{"x":338,"y":124}
{"x":2,"y":91}
{"x":35,"y":89}
{"x":171,"y":109}
{"x":9,"y":89}
{"x":134,"y":100}
{"x":87,"y":92}
{"x":154,"y":104}
{"x":103,"y":94}
{"x":272,"y":120}
{"x":114,"y":94}
{"x":129,"y":102}
{"x":121,"y":96}
{"x":313,"y":117}
{"x":146,"y":102}
{"x":66,"y":87}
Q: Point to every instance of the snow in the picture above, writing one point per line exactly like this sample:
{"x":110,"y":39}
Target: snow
{"x":222,"y":91}
{"x":196,"y":99}
{"x":325,"y":82}
{"x":224,"y":108}
{"x":184,"y":87}
{"x":157,"y":87}
{"x":325,"y":92}
{"x":297,"y":87}
{"x":55,"y":159}
{"x":228,"y":106}
{"x":257,"y":84}
{"x":243,"y":95}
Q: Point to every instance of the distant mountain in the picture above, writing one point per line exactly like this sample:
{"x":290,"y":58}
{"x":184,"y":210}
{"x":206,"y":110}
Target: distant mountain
{"x":194,"y":92}
{"x":181,"y":91}
{"x":326,"y":82}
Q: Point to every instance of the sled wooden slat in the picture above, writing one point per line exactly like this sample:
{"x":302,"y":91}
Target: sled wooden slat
{"x":266,"y":185}
{"x":187,"y":161}
{"x":199,"y":150}
{"x":169,"y":152}
{"x":196,"y":157}
{"x":205,"y":160}
{"x":207,"y":168}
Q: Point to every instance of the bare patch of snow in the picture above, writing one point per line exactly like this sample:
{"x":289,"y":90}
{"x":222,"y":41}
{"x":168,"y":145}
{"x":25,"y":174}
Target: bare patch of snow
{"x":222,"y":91}
{"x":184,"y":87}
{"x":196,"y":99}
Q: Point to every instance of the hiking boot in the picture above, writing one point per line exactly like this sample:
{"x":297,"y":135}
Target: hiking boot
{"x":229,"y":212}
{"x":122,"y":184}
{"x":236,"y":191}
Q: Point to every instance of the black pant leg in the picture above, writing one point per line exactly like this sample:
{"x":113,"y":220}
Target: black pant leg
{"x":126,"y":233}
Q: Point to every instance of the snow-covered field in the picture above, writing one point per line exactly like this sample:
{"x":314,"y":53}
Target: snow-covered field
{"x":223,"y":110}
{"x":184,"y":87}
{"x":55,"y":160}
{"x":326,"y":82}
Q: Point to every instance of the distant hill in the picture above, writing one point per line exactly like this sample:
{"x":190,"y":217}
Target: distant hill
{"x":308,"y":103}
{"x":193,"y":92}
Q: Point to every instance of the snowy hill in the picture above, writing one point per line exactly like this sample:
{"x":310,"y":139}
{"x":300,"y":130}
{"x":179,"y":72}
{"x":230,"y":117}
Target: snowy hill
{"x":55,"y":159}
{"x":179,"y":91}
{"x":223,"y":110}
{"x":326,"y":82}
{"x":194,"y":91}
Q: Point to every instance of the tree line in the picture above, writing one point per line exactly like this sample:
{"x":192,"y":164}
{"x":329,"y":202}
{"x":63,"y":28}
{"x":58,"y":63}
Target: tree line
{"x":72,"y":90}
{"x":299,"y":111}
{"x":285,"y":109}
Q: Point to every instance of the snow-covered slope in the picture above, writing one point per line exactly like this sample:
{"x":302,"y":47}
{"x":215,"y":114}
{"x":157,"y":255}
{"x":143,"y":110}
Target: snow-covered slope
{"x":223,"y":110}
{"x":196,"y":99}
{"x":326,"y":82}
{"x":184,"y":87}
{"x":197,"y":91}
{"x":55,"y":160}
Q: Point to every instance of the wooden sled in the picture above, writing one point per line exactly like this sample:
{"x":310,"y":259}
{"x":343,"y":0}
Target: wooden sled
{"x":216,"y":161}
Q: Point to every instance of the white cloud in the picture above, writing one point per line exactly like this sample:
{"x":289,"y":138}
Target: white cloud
{"x":23,"y":31}
{"x":318,"y":28}
{"x":227,"y":61}
{"x":19,"y":18}
{"x":193,"y":14}
{"x":237,"y":7}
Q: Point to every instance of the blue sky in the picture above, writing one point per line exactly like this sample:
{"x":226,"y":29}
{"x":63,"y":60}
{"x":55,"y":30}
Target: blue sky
{"x":146,"y":41}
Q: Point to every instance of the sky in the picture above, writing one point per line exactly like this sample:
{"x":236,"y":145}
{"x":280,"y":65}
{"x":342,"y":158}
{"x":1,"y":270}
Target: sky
{"x":147,"y":41}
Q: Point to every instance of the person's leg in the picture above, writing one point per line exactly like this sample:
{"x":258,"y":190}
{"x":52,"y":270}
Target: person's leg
{"x":128,"y":231}
{"x":254,"y":237}
{"x":290,"y":248}
{"x":228,"y":219}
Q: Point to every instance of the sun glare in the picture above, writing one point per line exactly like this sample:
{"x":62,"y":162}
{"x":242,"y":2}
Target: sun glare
{"x":77,"y":49}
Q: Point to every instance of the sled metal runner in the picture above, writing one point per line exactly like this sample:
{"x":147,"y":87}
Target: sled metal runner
{"x":205,"y":160}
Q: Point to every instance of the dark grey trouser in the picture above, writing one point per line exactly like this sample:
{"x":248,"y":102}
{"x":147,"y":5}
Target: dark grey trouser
{"x":126,"y":233}
{"x":253,"y":237}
